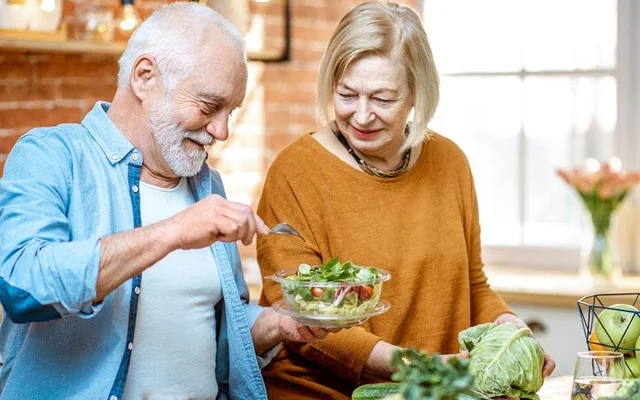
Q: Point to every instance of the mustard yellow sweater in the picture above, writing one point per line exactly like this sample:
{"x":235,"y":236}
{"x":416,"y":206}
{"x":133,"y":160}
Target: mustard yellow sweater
{"x":421,"y":226}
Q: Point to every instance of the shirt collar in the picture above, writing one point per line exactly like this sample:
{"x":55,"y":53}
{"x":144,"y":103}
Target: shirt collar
{"x":112,"y":142}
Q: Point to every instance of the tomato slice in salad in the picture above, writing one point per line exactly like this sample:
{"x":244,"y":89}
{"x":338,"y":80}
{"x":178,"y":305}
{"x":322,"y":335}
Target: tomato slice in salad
{"x":365,"y":292}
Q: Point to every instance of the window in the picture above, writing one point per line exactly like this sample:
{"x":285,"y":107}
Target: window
{"x":529,"y":86}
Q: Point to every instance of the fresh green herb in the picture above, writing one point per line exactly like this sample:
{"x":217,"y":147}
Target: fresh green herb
{"x":427,"y":377}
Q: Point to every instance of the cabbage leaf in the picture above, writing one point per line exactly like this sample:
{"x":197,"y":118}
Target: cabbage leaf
{"x":505,"y":360}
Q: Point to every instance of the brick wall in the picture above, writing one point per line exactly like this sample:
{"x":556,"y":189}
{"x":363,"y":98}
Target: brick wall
{"x":47,"y":89}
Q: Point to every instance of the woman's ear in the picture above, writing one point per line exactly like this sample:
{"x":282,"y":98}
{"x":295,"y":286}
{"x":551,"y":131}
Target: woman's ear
{"x":144,"y":76}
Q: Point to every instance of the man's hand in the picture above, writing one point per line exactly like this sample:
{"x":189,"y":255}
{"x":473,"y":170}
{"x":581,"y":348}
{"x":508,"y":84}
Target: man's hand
{"x":292,"y":330}
{"x":127,"y":254}
{"x":549,"y":364}
{"x":215,"y":218}
{"x":272,"y":328}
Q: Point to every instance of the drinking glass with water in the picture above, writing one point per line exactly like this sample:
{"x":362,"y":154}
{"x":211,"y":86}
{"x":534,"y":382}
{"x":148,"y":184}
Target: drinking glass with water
{"x":597,"y":374}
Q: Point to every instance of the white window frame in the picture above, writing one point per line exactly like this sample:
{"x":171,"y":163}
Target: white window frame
{"x":626,"y":136}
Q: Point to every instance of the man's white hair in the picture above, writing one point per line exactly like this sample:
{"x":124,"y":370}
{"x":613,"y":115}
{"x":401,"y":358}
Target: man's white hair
{"x":174,"y":35}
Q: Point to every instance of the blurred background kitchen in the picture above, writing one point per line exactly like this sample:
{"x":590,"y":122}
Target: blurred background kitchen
{"x":528,"y":86}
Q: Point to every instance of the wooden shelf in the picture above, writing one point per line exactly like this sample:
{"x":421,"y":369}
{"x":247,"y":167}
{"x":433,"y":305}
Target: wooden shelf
{"x":66,"y":46}
{"x":91,"y":47}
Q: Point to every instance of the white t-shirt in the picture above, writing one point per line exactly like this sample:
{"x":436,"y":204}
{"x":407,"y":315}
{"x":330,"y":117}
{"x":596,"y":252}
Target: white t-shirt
{"x":174,"y":345}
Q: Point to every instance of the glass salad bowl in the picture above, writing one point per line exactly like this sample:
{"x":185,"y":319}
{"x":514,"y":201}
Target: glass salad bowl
{"x":332,"y":295}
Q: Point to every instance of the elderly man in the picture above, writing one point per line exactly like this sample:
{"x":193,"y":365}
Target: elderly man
{"x":118,"y":274}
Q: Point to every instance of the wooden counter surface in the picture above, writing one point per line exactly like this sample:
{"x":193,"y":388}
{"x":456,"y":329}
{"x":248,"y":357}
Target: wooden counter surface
{"x":550,"y":287}
{"x":556,"y":388}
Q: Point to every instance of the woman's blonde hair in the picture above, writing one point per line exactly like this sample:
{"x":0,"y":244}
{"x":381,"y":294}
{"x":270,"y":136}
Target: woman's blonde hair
{"x":382,"y":29}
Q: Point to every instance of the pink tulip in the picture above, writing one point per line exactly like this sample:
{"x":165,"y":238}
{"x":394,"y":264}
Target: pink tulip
{"x":564,"y":175}
{"x":607,"y":182}
{"x":584,"y":185}
{"x":605,"y":192}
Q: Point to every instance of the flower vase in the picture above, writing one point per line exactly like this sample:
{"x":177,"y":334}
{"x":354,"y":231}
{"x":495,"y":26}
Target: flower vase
{"x":600,"y":260}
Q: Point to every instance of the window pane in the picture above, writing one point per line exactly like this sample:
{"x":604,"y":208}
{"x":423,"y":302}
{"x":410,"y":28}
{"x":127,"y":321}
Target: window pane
{"x":469,"y":35}
{"x":518,"y":128}
{"x":509,"y":35}
{"x":566,"y":120}
{"x":569,"y":34}
{"x":481,"y":116}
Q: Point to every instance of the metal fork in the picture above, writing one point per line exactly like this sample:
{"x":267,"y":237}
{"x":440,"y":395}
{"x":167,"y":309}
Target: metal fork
{"x":285,"y":229}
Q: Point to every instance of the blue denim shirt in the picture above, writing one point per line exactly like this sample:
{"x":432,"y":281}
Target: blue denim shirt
{"x":63,"y":189}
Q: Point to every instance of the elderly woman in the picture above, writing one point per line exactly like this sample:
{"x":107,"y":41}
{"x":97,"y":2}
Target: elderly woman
{"x":373,"y":188}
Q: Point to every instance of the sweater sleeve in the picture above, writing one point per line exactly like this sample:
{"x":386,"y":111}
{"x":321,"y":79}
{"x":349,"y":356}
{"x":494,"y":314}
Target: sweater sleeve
{"x":346,"y":352}
{"x":486,"y":305}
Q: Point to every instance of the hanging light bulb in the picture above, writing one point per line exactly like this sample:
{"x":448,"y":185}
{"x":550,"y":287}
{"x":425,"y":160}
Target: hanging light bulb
{"x":130,"y":18}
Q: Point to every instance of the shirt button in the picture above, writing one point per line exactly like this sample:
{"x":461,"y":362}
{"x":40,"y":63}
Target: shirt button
{"x":130,"y":346}
{"x":135,"y":157}
{"x":137,"y":290}
{"x":134,"y":188}
{"x":114,"y":156}
{"x":113,"y":398}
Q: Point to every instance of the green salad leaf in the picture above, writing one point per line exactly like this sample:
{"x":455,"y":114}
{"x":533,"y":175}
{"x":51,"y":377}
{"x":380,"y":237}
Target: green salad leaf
{"x":333,"y":271}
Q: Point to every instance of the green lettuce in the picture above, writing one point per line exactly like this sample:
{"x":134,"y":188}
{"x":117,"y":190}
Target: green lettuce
{"x":505,"y":360}
{"x":334,"y":271}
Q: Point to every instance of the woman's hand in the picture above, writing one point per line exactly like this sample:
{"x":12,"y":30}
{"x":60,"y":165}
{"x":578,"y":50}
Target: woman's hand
{"x":272,"y":328}
{"x":378,"y":365}
{"x":506,"y":317}
{"x":549,"y":364}
{"x":462,"y":354}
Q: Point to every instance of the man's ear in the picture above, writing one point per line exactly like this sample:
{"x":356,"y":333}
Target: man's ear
{"x":144,"y":76}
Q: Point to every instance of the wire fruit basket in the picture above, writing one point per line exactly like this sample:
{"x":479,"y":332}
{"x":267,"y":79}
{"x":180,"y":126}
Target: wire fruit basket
{"x":611,"y":322}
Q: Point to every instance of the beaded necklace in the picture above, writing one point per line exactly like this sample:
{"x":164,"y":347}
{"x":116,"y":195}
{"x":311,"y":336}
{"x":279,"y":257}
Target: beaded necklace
{"x":370,"y":169}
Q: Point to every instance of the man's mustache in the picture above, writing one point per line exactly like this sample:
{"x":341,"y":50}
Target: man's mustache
{"x":200,"y":137}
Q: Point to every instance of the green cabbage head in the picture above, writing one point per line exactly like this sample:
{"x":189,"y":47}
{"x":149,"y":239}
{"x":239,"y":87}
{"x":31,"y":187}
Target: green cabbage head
{"x":505,"y":360}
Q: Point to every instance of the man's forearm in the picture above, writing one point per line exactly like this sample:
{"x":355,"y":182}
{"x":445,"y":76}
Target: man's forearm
{"x":265,"y":332}
{"x":125,"y":255}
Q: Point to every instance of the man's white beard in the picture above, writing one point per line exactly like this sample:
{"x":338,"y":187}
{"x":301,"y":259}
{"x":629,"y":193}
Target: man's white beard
{"x":169,"y":137}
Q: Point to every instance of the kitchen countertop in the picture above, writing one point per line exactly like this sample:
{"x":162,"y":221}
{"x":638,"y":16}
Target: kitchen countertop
{"x":556,"y":388}
{"x":543,"y":287}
